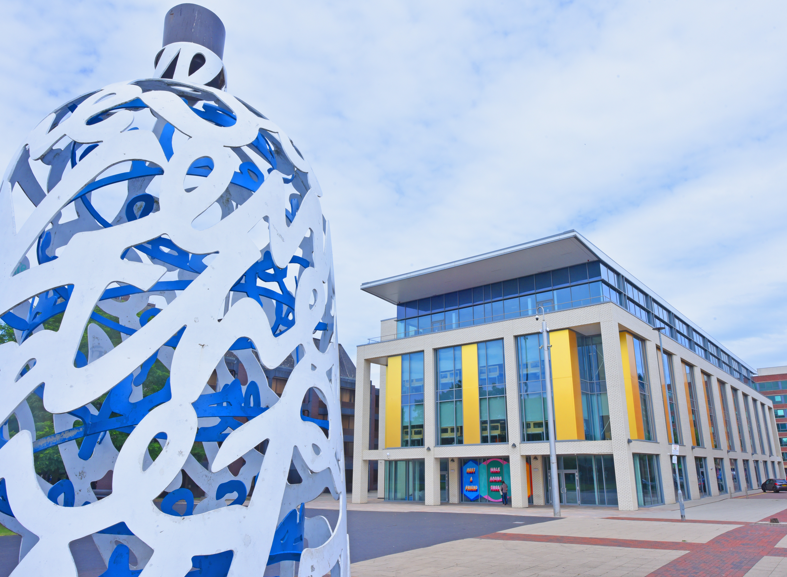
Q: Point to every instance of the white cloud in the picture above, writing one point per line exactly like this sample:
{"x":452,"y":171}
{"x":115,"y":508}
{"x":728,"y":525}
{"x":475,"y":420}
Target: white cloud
{"x":445,"y":129}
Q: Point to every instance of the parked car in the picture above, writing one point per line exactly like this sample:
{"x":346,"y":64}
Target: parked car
{"x":774,"y":485}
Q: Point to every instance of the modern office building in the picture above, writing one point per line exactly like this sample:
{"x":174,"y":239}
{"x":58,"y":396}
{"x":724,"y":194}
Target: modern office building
{"x":463,"y":388}
{"x":772,"y":382}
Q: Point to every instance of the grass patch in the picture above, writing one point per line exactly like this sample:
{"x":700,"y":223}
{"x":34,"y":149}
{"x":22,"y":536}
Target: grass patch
{"x":5,"y":532}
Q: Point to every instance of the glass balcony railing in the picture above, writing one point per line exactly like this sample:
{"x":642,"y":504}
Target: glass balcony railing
{"x":482,"y":314}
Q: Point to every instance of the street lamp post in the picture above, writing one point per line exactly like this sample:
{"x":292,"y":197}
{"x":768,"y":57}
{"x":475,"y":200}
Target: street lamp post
{"x":669,"y":426}
{"x":551,"y":412}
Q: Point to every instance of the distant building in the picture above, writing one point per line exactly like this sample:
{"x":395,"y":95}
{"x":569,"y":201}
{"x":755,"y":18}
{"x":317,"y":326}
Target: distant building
{"x":772,"y":382}
{"x":314,"y":407}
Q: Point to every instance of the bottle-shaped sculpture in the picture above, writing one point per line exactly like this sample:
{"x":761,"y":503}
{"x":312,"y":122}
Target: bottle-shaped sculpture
{"x":164,"y":249}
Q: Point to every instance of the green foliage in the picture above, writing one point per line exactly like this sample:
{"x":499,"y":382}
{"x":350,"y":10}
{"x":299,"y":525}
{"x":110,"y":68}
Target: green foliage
{"x":6,"y":333}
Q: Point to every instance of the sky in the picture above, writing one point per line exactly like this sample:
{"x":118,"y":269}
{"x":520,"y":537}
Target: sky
{"x":444,"y":129}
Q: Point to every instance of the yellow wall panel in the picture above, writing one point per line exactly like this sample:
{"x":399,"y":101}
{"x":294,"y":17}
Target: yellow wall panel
{"x":470,"y":408}
{"x":569,"y":423}
{"x":393,"y":403}
{"x":631,"y":383}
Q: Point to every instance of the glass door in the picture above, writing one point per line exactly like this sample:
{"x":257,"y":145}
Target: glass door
{"x":444,"y":487}
{"x":569,"y":488}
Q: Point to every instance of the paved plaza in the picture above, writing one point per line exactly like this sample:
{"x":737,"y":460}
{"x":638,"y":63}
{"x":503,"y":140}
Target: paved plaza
{"x":721,"y":536}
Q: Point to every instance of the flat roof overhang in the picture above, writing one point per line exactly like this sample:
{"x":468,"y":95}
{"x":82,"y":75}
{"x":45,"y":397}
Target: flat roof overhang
{"x":558,"y":251}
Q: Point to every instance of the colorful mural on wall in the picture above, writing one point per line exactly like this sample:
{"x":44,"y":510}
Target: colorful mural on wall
{"x":484,"y":480}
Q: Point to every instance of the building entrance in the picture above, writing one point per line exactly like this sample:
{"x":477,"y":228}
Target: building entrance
{"x":569,"y":488}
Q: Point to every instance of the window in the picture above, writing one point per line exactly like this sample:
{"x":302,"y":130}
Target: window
{"x":702,"y":476}
{"x":648,"y":476}
{"x":348,"y":422}
{"x":492,"y":392}
{"x":644,"y":389}
{"x":348,"y":396}
{"x":757,"y":472}
{"x":595,"y":408}
{"x":405,"y":480}
{"x":413,"y":400}
{"x":781,"y":427}
{"x":726,"y":412}
{"x":747,"y":474}
{"x":673,"y":418}
{"x":721,"y":480}
{"x":736,"y":482}
{"x":450,"y":419}
{"x":784,"y":456}
{"x":738,"y":418}
{"x":532,"y":388}
{"x":779,"y":413}
{"x":710,"y":405}
{"x":783,"y":441}
{"x":691,"y":390}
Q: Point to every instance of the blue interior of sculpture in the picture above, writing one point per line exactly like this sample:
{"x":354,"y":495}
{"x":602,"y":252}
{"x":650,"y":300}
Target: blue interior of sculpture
{"x":230,"y":402}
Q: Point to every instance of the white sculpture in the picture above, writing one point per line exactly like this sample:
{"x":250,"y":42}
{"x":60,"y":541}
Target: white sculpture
{"x":181,"y":218}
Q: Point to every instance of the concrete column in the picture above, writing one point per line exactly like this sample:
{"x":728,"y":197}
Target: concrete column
{"x":432,"y":479}
{"x":381,"y":421}
{"x":657,"y":393}
{"x":684,"y":412}
{"x":618,"y":414}
{"x":360,"y":493}
{"x":683,"y":402}
{"x":518,"y":486}
{"x":381,"y":479}
{"x":721,"y":421}
{"x":773,"y":431}
{"x":539,"y":490}
{"x":430,"y":404}
{"x":518,"y":489}
{"x":699,"y":387}
{"x":736,"y":438}
{"x":454,"y":476}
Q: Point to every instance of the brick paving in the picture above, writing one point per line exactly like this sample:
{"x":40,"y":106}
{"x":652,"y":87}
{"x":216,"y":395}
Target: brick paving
{"x":731,"y":554}
{"x":701,"y":521}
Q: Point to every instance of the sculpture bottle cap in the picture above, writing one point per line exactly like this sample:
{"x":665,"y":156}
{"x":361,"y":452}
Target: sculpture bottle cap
{"x":192,"y":23}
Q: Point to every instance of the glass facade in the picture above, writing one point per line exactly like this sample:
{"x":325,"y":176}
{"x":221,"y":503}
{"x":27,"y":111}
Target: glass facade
{"x":711,"y":406}
{"x":673,"y":417}
{"x":726,"y":412}
{"x":404,"y":480}
{"x":747,"y":408}
{"x":721,"y":480}
{"x":702,"y":476}
{"x":413,"y":400}
{"x":593,"y":382}
{"x":450,"y":418}
{"x":644,"y":389}
{"x":648,"y":477}
{"x":565,"y":288}
{"x":757,"y":473}
{"x":492,"y":392}
{"x":737,"y":408}
{"x":680,"y":475}
{"x":532,"y":388}
{"x":584,"y":480}
{"x":560,"y":289}
{"x":692,"y":393}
